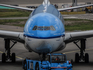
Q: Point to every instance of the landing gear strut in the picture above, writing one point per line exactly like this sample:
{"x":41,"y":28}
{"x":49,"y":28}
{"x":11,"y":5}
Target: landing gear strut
{"x":82,"y":50}
{"x":8,"y":55}
{"x":44,"y":56}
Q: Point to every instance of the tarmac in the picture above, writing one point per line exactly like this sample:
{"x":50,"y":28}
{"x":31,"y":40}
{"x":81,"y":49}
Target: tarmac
{"x":79,"y":16}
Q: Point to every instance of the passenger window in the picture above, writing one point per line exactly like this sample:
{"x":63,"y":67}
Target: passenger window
{"x":35,"y":28}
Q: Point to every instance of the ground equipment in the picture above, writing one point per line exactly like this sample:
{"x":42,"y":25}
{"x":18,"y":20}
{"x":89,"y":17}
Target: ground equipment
{"x":52,"y":62}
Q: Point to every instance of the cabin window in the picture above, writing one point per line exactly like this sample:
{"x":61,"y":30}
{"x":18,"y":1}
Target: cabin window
{"x":44,"y":28}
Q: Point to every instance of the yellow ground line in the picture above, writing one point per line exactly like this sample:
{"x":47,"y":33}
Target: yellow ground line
{"x":71,"y":52}
{"x":89,"y":49}
{"x":19,"y":57}
{"x":1,"y":52}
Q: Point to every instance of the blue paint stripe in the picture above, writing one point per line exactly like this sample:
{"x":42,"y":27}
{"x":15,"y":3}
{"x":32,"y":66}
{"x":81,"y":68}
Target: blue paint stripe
{"x":44,"y":37}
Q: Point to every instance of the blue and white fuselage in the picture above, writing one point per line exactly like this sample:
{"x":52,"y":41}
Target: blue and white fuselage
{"x":44,"y":31}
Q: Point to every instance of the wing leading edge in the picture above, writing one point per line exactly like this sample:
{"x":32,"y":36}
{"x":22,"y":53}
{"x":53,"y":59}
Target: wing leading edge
{"x":70,"y":37}
{"x":76,"y":7}
{"x":17,"y":7}
{"x":17,"y":36}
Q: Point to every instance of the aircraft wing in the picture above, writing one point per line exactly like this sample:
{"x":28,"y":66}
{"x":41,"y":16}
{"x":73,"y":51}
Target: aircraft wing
{"x":75,"y":7}
{"x":17,"y":7}
{"x":73,"y":36}
{"x":17,"y":36}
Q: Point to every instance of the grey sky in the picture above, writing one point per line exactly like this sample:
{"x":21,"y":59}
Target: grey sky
{"x":39,"y":1}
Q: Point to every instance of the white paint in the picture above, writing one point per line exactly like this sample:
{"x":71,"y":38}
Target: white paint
{"x":41,"y":45}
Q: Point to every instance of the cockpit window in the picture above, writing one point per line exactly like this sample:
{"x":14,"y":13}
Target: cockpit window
{"x":35,"y":28}
{"x":42,"y":28}
{"x":52,"y":28}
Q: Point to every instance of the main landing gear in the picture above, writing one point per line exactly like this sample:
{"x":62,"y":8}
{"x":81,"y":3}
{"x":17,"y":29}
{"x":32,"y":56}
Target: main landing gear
{"x":43,"y":56}
{"x":82,"y":50}
{"x":8,"y":55}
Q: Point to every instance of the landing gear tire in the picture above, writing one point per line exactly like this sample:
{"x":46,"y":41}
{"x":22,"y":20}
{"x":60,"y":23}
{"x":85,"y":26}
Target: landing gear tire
{"x":71,"y":61}
{"x":8,"y":48}
{"x":24,"y":62}
{"x":13,"y":57}
{"x":86,"y":58}
{"x":77,"y":58}
{"x":3,"y":58}
{"x":37,"y":66}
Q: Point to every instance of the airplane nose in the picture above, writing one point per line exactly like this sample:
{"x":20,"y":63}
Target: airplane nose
{"x":43,"y":34}
{"x":44,"y":47}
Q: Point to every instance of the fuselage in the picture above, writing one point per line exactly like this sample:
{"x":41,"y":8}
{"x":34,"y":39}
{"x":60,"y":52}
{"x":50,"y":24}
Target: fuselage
{"x":44,"y":30}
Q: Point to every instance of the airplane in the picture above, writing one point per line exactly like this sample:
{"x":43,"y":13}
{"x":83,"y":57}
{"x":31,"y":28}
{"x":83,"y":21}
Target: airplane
{"x":44,"y":33}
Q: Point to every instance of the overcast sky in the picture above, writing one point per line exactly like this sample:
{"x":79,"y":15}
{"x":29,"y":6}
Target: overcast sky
{"x":39,"y":1}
